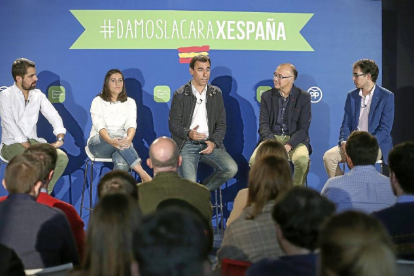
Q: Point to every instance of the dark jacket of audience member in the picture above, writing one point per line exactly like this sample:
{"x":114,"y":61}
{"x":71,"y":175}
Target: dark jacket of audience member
{"x":399,"y":218}
{"x":10,"y":264}
{"x":39,"y":234}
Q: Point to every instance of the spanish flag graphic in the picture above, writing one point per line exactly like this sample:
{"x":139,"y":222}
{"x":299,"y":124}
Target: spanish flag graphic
{"x":187,"y":53}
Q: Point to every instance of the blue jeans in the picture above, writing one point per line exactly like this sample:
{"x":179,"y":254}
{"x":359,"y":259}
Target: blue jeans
{"x":224,"y":166}
{"x":123,"y":159}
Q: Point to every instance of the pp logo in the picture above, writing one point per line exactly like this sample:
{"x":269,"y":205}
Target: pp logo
{"x":315,"y":93}
{"x":260,"y":90}
{"x":3,"y":88}
{"x":162,"y":94}
{"x":56,"y":94}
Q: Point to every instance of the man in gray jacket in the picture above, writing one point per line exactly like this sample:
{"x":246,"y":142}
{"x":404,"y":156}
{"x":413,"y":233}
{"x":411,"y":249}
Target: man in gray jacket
{"x":197,"y":123}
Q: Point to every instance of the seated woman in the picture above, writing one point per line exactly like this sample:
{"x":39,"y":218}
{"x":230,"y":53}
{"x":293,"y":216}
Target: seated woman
{"x":114,"y":122}
{"x":109,"y":241}
{"x":356,"y":244}
{"x":252,"y":236}
{"x":268,"y":147}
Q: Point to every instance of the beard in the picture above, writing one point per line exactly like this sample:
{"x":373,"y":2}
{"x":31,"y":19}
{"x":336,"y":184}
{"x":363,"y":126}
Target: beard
{"x":29,"y":87}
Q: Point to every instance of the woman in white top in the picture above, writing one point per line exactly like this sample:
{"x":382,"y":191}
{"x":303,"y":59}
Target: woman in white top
{"x":114,"y":122}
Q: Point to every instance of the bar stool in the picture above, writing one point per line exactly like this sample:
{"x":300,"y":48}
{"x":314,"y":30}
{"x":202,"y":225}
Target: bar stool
{"x":90,"y":160}
{"x":218,"y":205}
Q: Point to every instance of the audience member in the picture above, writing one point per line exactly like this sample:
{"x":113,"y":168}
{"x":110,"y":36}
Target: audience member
{"x":398,"y":219}
{"x":172,"y":242}
{"x":39,"y":234}
{"x":110,"y":235}
{"x":165,"y":160}
{"x":268,"y":147}
{"x":47,"y":155}
{"x":252,"y":236}
{"x":362,"y":188}
{"x":355,"y":244}
{"x":118,"y":181}
{"x":10,"y":264}
{"x":298,"y":218}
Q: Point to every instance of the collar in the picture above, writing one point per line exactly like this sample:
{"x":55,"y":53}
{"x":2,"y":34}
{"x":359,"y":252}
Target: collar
{"x":195,"y":91}
{"x":364,"y":167}
{"x":43,"y":190}
{"x":18,"y":196}
{"x":405,"y":198}
{"x":370,"y":93}
{"x":166,"y":174}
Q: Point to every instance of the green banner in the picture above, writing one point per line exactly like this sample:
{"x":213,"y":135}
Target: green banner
{"x":168,"y":29}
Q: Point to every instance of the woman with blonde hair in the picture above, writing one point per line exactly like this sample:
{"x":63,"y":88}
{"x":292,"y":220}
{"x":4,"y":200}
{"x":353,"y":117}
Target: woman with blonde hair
{"x":356,"y":244}
{"x":268,"y":147}
{"x":252,"y":236}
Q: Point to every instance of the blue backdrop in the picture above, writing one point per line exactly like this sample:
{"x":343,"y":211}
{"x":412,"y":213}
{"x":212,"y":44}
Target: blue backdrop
{"x":340,"y":32}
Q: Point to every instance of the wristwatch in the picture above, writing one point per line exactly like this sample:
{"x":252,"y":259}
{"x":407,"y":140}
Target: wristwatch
{"x":60,"y":139}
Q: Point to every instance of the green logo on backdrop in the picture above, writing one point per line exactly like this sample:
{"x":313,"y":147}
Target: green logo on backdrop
{"x":162,"y":94}
{"x":169,"y":29}
{"x":56,"y":94}
{"x":260,"y":91}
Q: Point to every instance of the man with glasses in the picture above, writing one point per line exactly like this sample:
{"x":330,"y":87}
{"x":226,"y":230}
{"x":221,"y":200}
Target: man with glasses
{"x":285,"y":115}
{"x":369,"y":108}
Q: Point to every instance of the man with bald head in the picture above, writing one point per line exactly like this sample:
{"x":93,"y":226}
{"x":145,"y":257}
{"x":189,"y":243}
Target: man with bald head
{"x":166,"y":184}
{"x":285,"y":115}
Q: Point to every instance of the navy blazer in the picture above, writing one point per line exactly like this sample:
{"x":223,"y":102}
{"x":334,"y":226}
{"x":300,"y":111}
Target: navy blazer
{"x":380,"y":118}
{"x":298,"y":115}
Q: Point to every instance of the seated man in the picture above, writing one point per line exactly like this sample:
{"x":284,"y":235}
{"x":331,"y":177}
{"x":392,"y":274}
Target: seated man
{"x":197,"y":124}
{"x":19,"y":110}
{"x":363,"y":188}
{"x":118,"y":181}
{"x":285,"y":115}
{"x":165,"y":160}
{"x":40,"y":235}
{"x":398,"y":219}
{"x":370,"y":108}
{"x":298,"y":216}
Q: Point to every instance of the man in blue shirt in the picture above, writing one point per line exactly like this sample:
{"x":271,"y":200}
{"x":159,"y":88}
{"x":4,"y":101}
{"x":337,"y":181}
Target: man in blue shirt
{"x":363,"y":188}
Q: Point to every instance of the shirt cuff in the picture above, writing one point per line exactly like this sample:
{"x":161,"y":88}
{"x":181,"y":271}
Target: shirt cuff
{"x":59,"y":130}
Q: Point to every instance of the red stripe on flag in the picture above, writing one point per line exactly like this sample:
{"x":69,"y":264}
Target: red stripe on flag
{"x":204,"y":48}
{"x":185,"y":60}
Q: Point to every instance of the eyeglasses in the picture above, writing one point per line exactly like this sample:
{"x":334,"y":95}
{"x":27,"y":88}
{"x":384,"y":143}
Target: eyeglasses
{"x":280,"y":77}
{"x":355,"y":75}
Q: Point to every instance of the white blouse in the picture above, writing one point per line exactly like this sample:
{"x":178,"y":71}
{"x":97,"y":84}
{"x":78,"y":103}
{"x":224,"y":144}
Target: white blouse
{"x":114,"y":117}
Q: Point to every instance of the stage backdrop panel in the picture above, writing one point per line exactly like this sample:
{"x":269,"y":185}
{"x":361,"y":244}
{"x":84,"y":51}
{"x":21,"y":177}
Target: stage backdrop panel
{"x":74,"y":43}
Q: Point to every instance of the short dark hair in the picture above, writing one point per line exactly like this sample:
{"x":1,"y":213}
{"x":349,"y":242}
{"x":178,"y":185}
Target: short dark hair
{"x":368,"y":66}
{"x":362,"y":148}
{"x":176,"y":237}
{"x":22,"y":172}
{"x":19,"y":67}
{"x":401,"y":162}
{"x":109,"y":242}
{"x":106,"y":93}
{"x":47,"y":154}
{"x":300,"y":215}
{"x":118,"y":181}
{"x":269,"y":178}
{"x":200,"y":58}
{"x":171,"y":162}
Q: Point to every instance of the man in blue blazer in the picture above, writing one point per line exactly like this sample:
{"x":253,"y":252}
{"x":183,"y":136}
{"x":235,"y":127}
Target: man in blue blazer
{"x":370,"y":108}
{"x":285,"y":115}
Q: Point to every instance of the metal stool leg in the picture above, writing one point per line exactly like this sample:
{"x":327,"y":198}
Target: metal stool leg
{"x":221,"y":211}
{"x":84,"y":187}
{"x":91,"y":188}
{"x":216,"y":209}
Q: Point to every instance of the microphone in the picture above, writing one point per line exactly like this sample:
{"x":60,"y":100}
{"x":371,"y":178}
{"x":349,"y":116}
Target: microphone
{"x":201,"y":101}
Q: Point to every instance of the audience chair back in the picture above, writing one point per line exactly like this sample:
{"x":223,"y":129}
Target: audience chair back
{"x":60,"y":270}
{"x":233,"y":267}
{"x":405,"y":268}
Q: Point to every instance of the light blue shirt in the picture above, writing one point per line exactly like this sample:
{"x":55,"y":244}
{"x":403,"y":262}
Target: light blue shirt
{"x":362,"y":189}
